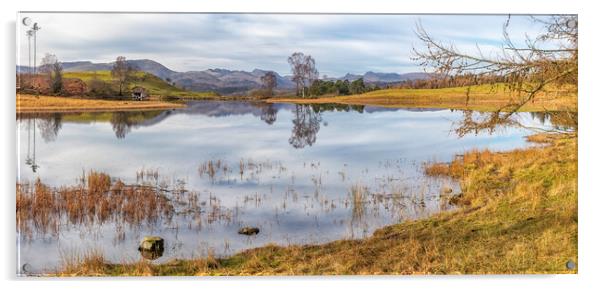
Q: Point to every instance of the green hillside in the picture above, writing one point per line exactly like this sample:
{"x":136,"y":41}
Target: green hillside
{"x":153,"y":84}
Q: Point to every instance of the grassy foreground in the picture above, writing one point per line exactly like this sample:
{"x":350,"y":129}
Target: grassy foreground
{"x":517,"y":214}
{"x":32,"y":103}
{"x":481,"y":98}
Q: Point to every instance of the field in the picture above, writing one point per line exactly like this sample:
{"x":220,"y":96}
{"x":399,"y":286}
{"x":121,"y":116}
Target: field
{"x":155,"y":85}
{"x":517,"y":213}
{"x":32,"y":103}
{"x":480,"y":97}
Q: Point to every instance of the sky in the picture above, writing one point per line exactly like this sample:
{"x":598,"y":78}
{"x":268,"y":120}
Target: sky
{"x":339,"y":44}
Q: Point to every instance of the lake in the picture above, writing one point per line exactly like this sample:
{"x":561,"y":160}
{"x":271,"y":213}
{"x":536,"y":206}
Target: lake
{"x":301,"y":174}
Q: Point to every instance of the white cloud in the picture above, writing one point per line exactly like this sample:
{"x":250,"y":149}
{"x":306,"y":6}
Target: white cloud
{"x":340,"y":43}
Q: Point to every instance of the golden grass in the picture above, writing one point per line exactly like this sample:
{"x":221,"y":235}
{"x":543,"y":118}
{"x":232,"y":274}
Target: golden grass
{"x":32,"y":103}
{"x":517,"y":214}
{"x":359,"y":194}
{"x":94,"y":260}
{"x":95,"y":200}
{"x":481,"y":98}
{"x":436,"y":169}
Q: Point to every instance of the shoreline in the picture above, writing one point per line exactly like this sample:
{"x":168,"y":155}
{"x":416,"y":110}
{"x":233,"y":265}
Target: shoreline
{"x":481,"y":98}
{"x":26,"y":103}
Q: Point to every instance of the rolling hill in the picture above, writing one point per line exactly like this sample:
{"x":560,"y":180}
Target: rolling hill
{"x":224,"y":81}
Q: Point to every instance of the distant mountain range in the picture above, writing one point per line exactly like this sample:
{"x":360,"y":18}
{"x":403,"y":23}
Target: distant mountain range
{"x":225,"y":81}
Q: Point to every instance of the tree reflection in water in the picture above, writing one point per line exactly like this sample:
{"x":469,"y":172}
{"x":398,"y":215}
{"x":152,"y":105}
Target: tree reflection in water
{"x":269,"y":113}
{"x":123,"y":121}
{"x":306,"y":124}
{"x":563,"y":122}
{"x":49,"y":126}
{"x":306,"y":120}
{"x":121,"y":124}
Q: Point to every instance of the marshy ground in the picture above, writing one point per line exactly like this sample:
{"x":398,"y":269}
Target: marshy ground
{"x":517,"y":214}
{"x":317,"y":182}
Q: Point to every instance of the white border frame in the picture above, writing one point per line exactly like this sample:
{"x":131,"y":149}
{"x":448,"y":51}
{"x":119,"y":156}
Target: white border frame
{"x":590,"y":197}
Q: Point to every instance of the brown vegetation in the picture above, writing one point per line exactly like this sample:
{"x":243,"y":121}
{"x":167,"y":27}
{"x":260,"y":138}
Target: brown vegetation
{"x":32,"y":103}
{"x":96,"y":199}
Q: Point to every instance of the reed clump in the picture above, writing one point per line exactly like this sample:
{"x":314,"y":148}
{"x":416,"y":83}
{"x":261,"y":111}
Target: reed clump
{"x":359,"y":195}
{"x":453,"y":169}
{"x":89,"y":263}
{"x":37,"y":209}
{"x":96,"y":199}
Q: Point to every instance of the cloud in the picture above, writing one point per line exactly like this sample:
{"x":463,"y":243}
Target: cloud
{"x":339,"y":43}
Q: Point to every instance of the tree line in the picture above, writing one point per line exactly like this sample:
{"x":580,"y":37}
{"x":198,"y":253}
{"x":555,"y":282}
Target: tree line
{"x":51,"y":80}
{"x":307,"y":83}
{"x":441,"y":81}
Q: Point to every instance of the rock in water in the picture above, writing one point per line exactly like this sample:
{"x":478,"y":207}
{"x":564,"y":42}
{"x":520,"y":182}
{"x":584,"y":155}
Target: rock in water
{"x":151,"y":243}
{"x":248,"y":231}
{"x":446,"y":190}
{"x":151,"y":255}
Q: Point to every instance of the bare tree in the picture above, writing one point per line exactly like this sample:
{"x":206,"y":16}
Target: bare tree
{"x":549,"y":59}
{"x":269,"y":82}
{"x":304,"y":71}
{"x":54,"y":69}
{"x":122,"y":72}
{"x":296,"y":63}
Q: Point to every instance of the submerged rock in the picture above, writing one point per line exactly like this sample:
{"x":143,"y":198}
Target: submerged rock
{"x":151,"y":247}
{"x":446,"y":190}
{"x":248,"y":231}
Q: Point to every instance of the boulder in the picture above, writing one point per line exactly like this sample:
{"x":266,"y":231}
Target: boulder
{"x":152,"y":243}
{"x":248,"y":231}
{"x":151,"y":255}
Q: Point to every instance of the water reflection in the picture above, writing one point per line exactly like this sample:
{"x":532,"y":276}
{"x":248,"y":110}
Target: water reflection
{"x":269,"y":113}
{"x":474,"y":122}
{"x":29,"y":160}
{"x":306,"y":124}
{"x":306,"y":120}
{"x":560,"y":120}
{"x":121,"y":123}
{"x":50,"y":126}
{"x":215,"y":167}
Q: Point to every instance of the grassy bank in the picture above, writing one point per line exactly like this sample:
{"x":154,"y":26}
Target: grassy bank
{"x":154,"y":85}
{"x":31,"y":103}
{"x":517,"y":213}
{"x":481,"y":98}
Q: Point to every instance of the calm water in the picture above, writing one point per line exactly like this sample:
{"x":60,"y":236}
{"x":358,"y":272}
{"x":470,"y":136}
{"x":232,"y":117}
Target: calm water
{"x":299,"y":165}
